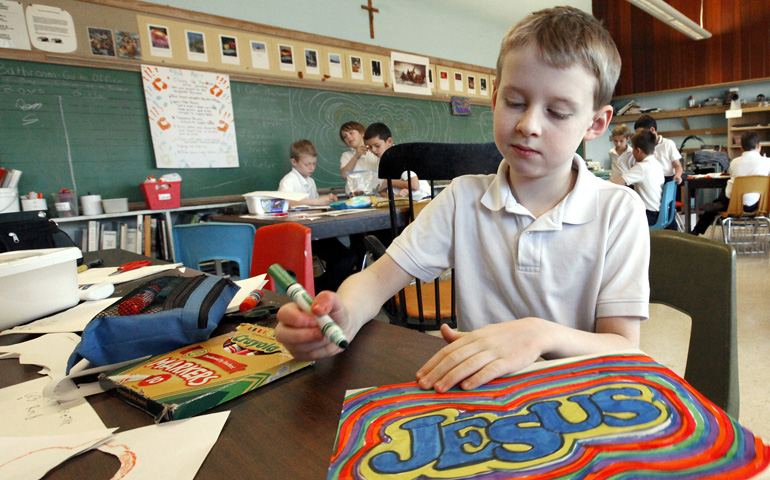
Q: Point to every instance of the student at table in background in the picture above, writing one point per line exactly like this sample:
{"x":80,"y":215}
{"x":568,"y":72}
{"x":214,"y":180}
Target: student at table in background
{"x":340,"y":261}
{"x":751,"y":162}
{"x":303,"y":157}
{"x":378,"y":140}
{"x":358,"y":157}
{"x":621,"y":157}
{"x":553,"y":260}
{"x":646,"y":175}
{"x":666,"y":152}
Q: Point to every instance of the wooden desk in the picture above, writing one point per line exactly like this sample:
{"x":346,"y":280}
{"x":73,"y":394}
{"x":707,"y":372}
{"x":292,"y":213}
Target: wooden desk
{"x":283,"y":430}
{"x":337,"y":223}
{"x":690,"y":185}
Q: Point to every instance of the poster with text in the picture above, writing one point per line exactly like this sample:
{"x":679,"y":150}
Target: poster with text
{"x":51,"y":29}
{"x":191,"y":118}
{"x":13,"y":29}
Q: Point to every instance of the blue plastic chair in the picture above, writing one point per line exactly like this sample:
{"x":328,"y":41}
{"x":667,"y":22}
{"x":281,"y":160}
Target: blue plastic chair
{"x":667,"y":206}
{"x":204,"y":242}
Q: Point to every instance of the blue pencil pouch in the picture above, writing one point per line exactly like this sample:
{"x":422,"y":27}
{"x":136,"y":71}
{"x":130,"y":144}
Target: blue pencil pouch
{"x":161,"y":315}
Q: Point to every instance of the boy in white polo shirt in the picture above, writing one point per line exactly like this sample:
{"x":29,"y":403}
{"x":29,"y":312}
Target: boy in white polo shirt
{"x":303,"y":157}
{"x":553,"y":260}
{"x":340,"y":261}
{"x":646,"y":175}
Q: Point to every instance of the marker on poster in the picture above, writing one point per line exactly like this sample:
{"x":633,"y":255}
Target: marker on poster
{"x":331,"y":330}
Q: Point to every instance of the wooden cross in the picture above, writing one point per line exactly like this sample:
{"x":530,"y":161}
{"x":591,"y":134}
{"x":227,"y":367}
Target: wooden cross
{"x":372,"y":11}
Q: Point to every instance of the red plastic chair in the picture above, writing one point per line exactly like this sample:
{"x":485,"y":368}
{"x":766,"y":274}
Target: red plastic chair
{"x":287,"y":244}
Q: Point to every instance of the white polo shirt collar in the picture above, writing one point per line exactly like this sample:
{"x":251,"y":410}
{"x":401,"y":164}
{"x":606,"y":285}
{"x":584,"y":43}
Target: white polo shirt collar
{"x":581,"y":205}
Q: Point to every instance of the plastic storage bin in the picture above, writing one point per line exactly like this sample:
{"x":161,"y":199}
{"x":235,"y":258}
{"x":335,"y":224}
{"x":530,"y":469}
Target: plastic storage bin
{"x":115,"y":205}
{"x":162,"y":195}
{"x":36,"y":283}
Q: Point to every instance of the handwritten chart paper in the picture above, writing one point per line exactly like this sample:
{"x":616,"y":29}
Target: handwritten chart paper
{"x":618,"y":416}
{"x":191,"y":118}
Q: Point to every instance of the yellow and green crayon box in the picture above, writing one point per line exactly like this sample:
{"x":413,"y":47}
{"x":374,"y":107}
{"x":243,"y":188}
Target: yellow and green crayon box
{"x":198,"y":377}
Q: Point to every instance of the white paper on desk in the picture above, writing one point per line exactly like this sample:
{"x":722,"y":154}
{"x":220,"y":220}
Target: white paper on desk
{"x":102,"y":275}
{"x":30,"y":458}
{"x":63,"y":387}
{"x":144,"y":452}
{"x":24,"y":411}
{"x":49,"y":351}
{"x":247,"y":286}
{"x":74,"y":319}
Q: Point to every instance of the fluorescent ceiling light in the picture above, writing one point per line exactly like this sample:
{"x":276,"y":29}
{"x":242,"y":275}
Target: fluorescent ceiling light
{"x":673,"y":17}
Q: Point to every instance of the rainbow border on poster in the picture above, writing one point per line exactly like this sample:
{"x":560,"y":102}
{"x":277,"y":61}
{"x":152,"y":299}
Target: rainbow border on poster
{"x":673,"y":432}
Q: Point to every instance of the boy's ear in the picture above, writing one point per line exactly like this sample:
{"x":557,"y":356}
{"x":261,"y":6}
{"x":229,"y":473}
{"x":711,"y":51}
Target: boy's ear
{"x":293,"y":161}
{"x":601,"y":121}
{"x":389,"y":142}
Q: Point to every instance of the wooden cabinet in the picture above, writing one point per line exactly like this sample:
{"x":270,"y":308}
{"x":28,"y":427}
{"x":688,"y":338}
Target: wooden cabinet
{"x":753,"y":118}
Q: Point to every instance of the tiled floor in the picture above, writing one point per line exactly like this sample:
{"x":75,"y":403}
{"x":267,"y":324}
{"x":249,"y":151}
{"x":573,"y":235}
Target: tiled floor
{"x":665,"y":338}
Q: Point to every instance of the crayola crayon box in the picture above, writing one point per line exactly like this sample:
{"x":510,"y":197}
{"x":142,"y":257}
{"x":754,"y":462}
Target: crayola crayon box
{"x":198,"y":377}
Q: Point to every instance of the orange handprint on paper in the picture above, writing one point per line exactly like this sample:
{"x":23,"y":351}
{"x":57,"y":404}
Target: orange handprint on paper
{"x":225,"y":121}
{"x":219,"y":87}
{"x":153,"y":75}
{"x":161,"y":121}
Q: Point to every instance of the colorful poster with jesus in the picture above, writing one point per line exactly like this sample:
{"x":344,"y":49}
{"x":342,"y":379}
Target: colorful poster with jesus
{"x":191,"y":118}
{"x":618,"y":416}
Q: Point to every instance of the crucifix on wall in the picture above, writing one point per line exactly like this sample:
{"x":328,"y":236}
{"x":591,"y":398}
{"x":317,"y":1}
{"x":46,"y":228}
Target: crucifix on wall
{"x":372,"y":11}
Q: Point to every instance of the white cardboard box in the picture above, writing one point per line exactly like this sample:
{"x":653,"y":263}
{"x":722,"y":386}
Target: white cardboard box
{"x":36,"y":283}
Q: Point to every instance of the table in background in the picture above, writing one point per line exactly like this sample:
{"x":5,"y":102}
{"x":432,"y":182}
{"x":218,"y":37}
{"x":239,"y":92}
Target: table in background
{"x":690,"y":185}
{"x":346,"y":223}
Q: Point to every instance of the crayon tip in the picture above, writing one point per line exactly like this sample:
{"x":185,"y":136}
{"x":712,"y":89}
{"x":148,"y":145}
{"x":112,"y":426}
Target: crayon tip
{"x":344,"y":344}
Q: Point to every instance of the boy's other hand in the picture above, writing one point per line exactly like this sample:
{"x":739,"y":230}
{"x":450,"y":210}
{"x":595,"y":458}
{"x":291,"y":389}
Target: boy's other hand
{"x":360,"y":151}
{"x":299,"y":332}
{"x":474,"y":358}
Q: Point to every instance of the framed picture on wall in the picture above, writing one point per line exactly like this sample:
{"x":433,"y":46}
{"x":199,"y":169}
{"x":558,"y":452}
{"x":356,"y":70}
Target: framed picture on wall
{"x":229,"y":49}
{"x":483,"y":86}
{"x":286,"y":57}
{"x":259,"y":55}
{"x":410,"y":73}
{"x":356,"y":68}
{"x":459,"y":82}
{"x":160,"y":43}
{"x":376,"y":71}
{"x":311,"y":62}
{"x":471,"y":84}
{"x":335,"y":65}
{"x":196,"y":46}
{"x":443,"y":80}
{"x":101,"y":41}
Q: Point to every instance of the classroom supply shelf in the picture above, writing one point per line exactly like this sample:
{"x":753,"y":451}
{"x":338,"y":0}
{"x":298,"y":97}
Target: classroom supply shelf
{"x":752,"y":118}
{"x":684,"y":114}
{"x":90,"y":225}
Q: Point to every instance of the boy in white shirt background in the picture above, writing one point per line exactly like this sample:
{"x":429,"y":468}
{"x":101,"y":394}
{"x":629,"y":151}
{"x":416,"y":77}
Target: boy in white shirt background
{"x":621,"y":156}
{"x":751,"y":162}
{"x":378,"y":140}
{"x":358,"y":157}
{"x":646,"y":175}
{"x":340,"y":260}
{"x":303,"y":157}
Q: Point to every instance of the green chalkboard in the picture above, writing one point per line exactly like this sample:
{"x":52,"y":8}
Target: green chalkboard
{"x":87,"y":129}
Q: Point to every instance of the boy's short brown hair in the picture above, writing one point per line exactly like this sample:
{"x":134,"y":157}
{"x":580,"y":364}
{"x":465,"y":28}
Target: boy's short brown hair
{"x":644,"y":140}
{"x":622,"y":130}
{"x":351,"y":126}
{"x":564,"y":36}
{"x":749,"y":140}
{"x":302,"y":147}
